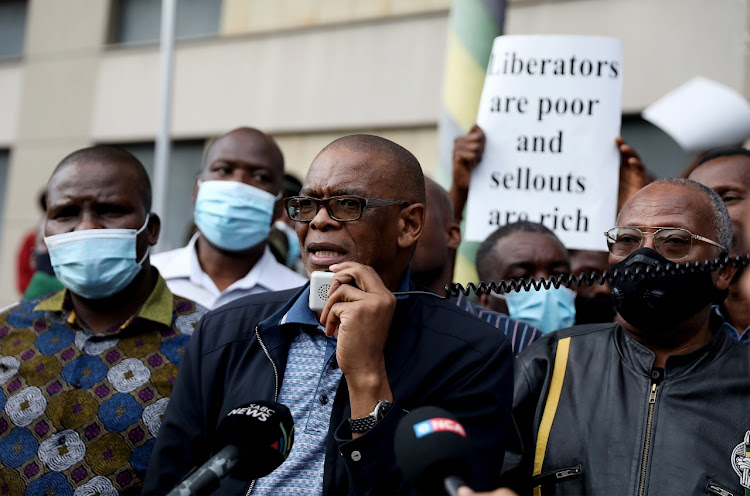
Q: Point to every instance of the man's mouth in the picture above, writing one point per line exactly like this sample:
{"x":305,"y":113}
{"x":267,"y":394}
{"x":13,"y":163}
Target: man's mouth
{"x":326,"y":254}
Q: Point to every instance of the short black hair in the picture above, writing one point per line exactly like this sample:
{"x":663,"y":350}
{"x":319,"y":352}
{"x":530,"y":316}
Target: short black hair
{"x":725,"y":151}
{"x":406,"y":165}
{"x":107,"y":154}
{"x":273,"y":148}
{"x":484,"y":258}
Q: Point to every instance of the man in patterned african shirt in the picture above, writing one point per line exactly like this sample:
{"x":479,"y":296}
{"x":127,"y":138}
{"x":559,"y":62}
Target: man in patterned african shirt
{"x":85,"y":373}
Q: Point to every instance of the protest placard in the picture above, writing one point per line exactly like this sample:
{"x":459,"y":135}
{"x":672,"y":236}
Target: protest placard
{"x":550,"y":109}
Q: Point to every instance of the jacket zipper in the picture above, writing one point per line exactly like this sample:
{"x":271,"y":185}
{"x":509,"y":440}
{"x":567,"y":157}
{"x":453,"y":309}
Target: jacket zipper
{"x":718,"y":490}
{"x":276,"y":385}
{"x":647,"y":441}
{"x":558,"y":475}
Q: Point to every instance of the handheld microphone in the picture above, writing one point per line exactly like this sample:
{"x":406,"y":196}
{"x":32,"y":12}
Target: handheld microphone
{"x":432,"y":451}
{"x":254,"y":438}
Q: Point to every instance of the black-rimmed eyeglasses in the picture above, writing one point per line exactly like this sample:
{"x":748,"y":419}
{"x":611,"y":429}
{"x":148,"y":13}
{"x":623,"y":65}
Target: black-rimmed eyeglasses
{"x":673,"y":243}
{"x":339,"y":208}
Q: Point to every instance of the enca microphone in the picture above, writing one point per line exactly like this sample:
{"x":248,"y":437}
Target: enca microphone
{"x":432,"y":451}
{"x":254,"y":439}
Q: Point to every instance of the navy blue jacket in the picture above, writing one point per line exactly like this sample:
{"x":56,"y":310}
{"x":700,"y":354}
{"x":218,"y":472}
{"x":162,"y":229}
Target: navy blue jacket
{"x":436,"y":354}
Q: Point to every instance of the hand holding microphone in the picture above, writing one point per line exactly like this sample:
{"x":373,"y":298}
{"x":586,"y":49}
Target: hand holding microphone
{"x":254,"y":439}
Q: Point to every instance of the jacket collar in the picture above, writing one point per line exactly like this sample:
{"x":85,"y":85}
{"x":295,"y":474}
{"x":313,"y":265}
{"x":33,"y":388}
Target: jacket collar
{"x":640,"y":358}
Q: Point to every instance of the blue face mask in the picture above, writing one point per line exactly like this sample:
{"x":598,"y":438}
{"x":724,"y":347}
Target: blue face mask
{"x":294,"y":251}
{"x":96,"y":263}
{"x":548,"y":310}
{"x":233,"y":215}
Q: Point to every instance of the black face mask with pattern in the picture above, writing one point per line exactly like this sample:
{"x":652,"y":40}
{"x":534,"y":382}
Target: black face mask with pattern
{"x":652,"y":303}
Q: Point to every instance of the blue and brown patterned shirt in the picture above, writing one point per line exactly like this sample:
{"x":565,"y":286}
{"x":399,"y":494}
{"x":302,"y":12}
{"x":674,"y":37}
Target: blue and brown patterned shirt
{"x":81,"y":411}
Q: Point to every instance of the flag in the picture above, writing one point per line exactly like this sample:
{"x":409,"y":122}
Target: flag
{"x":473,"y":26}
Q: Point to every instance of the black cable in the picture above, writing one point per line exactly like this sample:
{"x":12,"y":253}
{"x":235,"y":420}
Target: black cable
{"x":569,"y":280}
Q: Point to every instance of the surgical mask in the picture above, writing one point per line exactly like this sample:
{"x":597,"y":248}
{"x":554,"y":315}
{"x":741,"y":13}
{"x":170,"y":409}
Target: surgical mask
{"x":96,"y":263}
{"x":655,"y":303}
{"x":293,"y":248}
{"x":546,"y":309}
{"x":233,"y":215}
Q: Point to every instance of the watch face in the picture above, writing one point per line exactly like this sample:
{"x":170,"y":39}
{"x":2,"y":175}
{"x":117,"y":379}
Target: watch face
{"x":382,"y":408}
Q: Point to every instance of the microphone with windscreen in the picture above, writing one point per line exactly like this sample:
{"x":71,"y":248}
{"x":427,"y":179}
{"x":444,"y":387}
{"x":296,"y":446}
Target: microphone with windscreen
{"x":253,"y":440}
{"x":432,"y":451}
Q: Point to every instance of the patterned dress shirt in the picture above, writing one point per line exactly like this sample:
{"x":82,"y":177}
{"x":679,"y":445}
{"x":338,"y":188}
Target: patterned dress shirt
{"x":520,"y":333}
{"x":80,"y":412}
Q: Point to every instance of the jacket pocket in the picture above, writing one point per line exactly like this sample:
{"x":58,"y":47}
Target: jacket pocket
{"x":549,"y":479}
{"x":713,"y":488}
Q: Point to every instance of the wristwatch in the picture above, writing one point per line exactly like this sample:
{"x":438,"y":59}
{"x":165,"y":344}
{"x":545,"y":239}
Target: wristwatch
{"x":364,"y":424}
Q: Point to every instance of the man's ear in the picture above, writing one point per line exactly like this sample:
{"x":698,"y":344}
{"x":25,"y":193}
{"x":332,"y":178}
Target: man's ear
{"x":195,"y":188}
{"x":724,"y":277}
{"x":412,"y":222}
{"x":154,"y":228}
{"x":453,"y":230}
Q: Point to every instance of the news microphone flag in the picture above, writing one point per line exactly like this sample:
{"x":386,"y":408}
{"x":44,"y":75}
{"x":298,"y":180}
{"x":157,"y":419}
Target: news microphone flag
{"x":433,"y":451}
{"x":473,"y":26}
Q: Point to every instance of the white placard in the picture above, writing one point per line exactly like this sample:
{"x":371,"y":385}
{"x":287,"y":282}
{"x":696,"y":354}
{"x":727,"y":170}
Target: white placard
{"x":550,"y":109}
{"x":702,"y":114}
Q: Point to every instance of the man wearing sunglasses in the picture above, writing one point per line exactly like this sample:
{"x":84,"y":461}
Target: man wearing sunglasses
{"x":350,"y":372}
{"x":656,"y":403}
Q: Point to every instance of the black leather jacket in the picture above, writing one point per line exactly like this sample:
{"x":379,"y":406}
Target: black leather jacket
{"x":622,"y":427}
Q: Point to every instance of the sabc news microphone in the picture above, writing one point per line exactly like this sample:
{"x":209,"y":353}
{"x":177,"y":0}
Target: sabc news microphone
{"x":432,"y":451}
{"x":254,"y":439}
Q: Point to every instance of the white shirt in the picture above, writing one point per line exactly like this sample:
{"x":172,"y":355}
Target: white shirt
{"x":185,"y":277}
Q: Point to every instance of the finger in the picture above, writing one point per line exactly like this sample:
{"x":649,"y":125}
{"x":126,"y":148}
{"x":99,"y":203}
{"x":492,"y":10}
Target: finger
{"x":619,"y":141}
{"x":364,"y":276}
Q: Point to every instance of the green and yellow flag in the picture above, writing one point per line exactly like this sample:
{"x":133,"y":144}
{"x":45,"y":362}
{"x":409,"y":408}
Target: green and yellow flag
{"x":474,"y":24}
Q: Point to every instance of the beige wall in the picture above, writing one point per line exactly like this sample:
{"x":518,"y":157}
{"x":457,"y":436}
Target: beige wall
{"x":302,"y":70}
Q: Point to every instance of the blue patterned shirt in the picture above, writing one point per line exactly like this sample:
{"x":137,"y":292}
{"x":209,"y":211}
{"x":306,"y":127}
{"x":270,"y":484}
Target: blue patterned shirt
{"x":520,"y":333}
{"x":727,"y":327}
{"x":80,"y":411}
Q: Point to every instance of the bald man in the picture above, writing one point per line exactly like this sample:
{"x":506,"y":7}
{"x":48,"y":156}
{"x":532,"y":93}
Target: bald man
{"x":654,"y":404}
{"x":235,"y":201}
{"x":350,"y":372}
{"x":86,"y":372}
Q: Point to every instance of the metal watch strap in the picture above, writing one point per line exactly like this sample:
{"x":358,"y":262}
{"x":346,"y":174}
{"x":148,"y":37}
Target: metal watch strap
{"x":364,"y":424}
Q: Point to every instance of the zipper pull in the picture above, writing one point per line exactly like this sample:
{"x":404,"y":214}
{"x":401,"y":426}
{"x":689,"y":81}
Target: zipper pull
{"x":652,"y":396}
{"x":562,"y":474}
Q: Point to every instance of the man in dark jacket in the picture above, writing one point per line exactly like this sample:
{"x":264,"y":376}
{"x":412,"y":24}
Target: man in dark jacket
{"x":350,"y":372}
{"x":656,"y":404}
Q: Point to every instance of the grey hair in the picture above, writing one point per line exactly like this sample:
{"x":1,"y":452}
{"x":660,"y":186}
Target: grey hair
{"x":720,"y":219}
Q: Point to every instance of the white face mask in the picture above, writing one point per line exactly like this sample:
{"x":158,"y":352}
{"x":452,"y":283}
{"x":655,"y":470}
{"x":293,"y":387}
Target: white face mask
{"x":96,"y":263}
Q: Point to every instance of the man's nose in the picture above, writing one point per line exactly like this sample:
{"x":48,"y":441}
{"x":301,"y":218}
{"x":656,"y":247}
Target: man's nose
{"x":88,"y":221}
{"x":322,"y":219}
{"x":648,"y":241}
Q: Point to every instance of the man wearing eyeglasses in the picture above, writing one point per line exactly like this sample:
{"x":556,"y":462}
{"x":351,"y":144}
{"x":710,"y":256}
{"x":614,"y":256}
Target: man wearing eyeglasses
{"x":351,"y":371}
{"x":656,"y":403}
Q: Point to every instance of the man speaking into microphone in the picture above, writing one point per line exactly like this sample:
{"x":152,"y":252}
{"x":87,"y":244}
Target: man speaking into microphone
{"x":352,"y":370}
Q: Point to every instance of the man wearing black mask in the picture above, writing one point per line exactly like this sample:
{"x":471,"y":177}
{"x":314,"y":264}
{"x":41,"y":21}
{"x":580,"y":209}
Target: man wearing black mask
{"x":656,"y":403}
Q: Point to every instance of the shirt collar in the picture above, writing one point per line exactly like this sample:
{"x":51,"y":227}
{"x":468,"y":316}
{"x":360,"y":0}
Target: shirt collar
{"x":158,"y":307}
{"x":267,"y":272}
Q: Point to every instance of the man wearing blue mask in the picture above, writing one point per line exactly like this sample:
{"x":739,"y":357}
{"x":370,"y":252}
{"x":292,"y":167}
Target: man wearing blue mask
{"x":527,"y":250}
{"x":236,"y":199}
{"x":656,"y":403}
{"x":86,"y":373}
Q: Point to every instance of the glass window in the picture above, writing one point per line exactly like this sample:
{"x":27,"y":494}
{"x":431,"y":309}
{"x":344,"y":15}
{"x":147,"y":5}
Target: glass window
{"x":12,"y":28}
{"x":138,"y":21}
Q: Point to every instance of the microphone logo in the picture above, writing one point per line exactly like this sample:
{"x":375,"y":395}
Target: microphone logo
{"x":438,"y":424}
{"x":256,"y":411}
{"x":284,"y":443}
